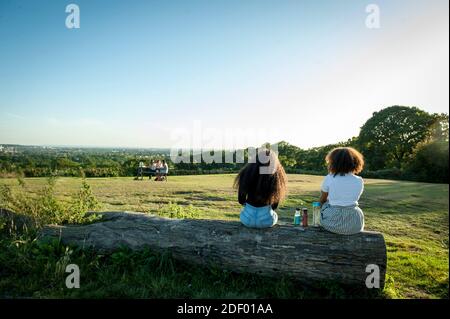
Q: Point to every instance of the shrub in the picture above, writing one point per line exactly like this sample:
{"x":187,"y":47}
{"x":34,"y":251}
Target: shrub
{"x":429,"y":162}
{"x":177,"y":211}
{"x":389,"y":173}
{"x":82,"y":203}
{"x":45,"y":208}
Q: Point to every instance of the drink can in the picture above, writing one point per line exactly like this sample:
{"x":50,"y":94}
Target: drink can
{"x":305,"y":217}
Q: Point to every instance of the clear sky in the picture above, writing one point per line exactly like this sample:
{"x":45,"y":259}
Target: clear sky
{"x":165,"y":73}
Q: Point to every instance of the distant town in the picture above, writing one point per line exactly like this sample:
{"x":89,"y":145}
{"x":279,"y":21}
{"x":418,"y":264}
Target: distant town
{"x":7,"y":149}
{"x":18,"y":149}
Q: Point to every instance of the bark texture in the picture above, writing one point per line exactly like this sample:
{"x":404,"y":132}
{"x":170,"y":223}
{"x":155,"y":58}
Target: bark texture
{"x":307,"y":255}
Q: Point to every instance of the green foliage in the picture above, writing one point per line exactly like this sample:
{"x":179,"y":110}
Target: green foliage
{"x":82,"y":203}
{"x":440,"y":128}
{"x":388,"y":141}
{"x":388,"y":173}
{"x":412,"y":216}
{"x":3,"y":223}
{"x":311,"y":160}
{"x":173,"y":210}
{"x":391,"y":135}
{"x":288,"y":154}
{"x":123,"y":274}
{"x":429,"y":162}
{"x":46,"y":208}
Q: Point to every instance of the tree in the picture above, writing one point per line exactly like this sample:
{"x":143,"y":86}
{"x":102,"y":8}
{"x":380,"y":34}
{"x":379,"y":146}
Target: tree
{"x":429,"y":162}
{"x":287,"y":154}
{"x":440,"y":128}
{"x":389,"y":137}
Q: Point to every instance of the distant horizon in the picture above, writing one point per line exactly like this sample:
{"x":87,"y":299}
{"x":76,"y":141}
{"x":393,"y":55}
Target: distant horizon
{"x":153,"y":74}
{"x":78,"y":146}
{"x":169,"y":147}
{"x":138,"y":147}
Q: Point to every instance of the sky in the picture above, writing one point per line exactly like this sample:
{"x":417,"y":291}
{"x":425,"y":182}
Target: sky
{"x":214,"y":73}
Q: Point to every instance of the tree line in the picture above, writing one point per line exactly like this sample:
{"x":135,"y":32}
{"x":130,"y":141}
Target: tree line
{"x":398,"y":142}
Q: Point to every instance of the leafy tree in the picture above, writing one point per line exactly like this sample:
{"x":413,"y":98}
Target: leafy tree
{"x":440,"y":128}
{"x":64,"y":162}
{"x":390,"y":135}
{"x":287,"y":154}
{"x":429,"y":162}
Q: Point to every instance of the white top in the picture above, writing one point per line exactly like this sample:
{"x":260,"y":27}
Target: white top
{"x":343,"y":190}
{"x":165,"y":168}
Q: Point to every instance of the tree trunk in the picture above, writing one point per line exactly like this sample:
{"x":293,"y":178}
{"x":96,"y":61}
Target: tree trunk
{"x":309,"y":256}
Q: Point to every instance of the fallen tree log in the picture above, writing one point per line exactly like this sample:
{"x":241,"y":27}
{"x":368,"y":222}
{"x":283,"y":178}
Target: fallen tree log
{"x":15,"y":220}
{"x":309,"y":256}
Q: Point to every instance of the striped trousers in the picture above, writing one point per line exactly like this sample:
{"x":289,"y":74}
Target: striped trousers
{"x":345,"y":220}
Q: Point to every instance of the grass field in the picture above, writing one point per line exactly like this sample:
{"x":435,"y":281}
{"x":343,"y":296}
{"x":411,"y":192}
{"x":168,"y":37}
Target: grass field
{"x":412,"y":216}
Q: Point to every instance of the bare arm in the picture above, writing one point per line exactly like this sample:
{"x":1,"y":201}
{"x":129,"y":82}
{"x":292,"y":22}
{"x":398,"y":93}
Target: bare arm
{"x":323,"y":198}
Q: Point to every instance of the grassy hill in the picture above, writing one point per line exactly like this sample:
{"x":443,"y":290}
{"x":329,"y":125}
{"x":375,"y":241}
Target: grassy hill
{"x":412,"y":216}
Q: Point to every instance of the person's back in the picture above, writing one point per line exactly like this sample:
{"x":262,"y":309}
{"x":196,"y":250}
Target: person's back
{"x":341,"y":190}
{"x":260,"y":188}
{"x":164,"y":168}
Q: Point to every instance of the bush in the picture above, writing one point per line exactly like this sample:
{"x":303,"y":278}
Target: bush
{"x":45,"y":208}
{"x":177,"y":211}
{"x":101,"y":172}
{"x":389,"y":173}
{"x":306,"y":172}
{"x":429,"y":162}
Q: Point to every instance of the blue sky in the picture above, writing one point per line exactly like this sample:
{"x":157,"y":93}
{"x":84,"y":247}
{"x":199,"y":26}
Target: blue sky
{"x":150,"y":73}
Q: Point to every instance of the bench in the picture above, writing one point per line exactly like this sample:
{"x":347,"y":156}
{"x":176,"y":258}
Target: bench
{"x":147,"y":171}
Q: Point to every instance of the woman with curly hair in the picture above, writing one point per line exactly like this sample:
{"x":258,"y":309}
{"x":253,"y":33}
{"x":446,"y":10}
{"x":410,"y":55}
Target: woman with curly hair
{"x":341,"y":190}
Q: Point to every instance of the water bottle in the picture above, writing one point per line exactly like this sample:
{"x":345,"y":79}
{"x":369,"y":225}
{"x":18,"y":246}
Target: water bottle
{"x":316,"y":214}
{"x":297,"y":217}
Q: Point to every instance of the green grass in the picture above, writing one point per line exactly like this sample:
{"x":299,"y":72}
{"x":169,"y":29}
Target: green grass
{"x":412,"y":216}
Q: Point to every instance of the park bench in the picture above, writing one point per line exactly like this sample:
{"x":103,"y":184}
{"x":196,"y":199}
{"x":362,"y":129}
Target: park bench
{"x":146,"y":171}
{"x":309,"y":255}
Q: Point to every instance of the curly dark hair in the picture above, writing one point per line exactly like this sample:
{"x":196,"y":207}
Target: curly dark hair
{"x":343,"y":160}
{"x":262,"y":188}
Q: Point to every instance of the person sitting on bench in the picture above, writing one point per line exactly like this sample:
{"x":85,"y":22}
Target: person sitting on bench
{"x":163,"y":171}
{"x":152,"y":169}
